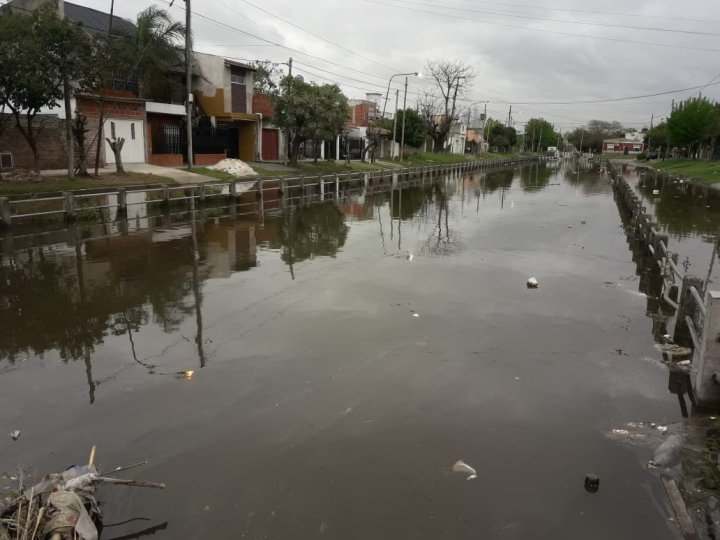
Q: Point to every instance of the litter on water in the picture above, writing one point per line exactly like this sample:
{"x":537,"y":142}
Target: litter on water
{"x":463,"y":468}
{"x":532,"y":283}
{"x":15,"y":435}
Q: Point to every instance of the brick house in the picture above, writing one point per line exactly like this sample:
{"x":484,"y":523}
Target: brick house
{"x":622,"y":146}
{"x":124,"y":110}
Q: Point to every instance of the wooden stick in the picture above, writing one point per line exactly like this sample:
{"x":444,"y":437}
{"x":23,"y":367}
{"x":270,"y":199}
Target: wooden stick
{"x":37,"y":523}
{"x":92,"y":456}
{"x":29,"y":514}
{"x":118,"y":469}
{"x":134,"y":483}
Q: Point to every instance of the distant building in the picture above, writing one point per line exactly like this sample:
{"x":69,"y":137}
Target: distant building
{"x":622,"y":146}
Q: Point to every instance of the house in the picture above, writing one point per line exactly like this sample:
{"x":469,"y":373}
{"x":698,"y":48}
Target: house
{"x":457,"y":137}
{"x":227,"y":126}
{"x":623,"y":146}
{"x":125,"y":111}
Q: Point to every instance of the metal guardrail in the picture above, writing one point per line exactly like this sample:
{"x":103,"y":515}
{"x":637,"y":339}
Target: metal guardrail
{"x":688,"y":303}
{"x":69,"y":200}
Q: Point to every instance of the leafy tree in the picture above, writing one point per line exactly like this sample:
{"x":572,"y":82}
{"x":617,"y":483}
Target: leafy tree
{"x":38,"y":52}
{"x":692,"y":123}
{"x":267,"y":77}
{"x":657,"y":137}
{"x":502,"y":137}
{"x":592,"y":136}
{"x":414,"y":128}
{"x":154,"y":52}
{"x":539,"y":134}
{"x":309,"y":112}
{"x":452,"y":78}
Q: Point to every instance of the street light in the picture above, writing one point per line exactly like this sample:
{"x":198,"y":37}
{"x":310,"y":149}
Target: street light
{"x":387,"y":94}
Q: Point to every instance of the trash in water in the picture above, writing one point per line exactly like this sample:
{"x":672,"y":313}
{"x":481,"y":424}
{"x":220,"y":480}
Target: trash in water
{"x":662,"y":429}
{"x":569,"y":226}
{"x":684,"y":363}
{"x":668,"y":453}
{"x":673,"y":350}
{"x":656,"y":192}
{"x":15,"y":435}
{"x":416,"y":314}
{"x":668,"y":338}
{"x":463,"y":468}
{"x":620,"y":432}
{"x":532,"y":283}
{"x":592,"y":483}
{"x":472,"y":477}
{"x":410,"y":257}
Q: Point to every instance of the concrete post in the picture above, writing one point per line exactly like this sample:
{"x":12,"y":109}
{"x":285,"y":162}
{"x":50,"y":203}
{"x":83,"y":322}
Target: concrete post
{"x":261,"y":195}
{"x":165,"y":195}
{"x":686,"y":306}
{"x":122,"y":201}
{"x":322,"y":188}
{"x":233,"y":191}
{"x":707,"y":390}
{"x":283,"y":194}
{"x":5,"y":213}
{"x":192,"y":200}
{"x":337,"y":187}
{"x":201,"y":193}
{"x":69,"y":205}
{"x":302,"y":190}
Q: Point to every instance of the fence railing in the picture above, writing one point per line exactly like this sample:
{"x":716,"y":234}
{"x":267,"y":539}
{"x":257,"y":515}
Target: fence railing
{"x":70,"y":204}
{"x":697,"y":319}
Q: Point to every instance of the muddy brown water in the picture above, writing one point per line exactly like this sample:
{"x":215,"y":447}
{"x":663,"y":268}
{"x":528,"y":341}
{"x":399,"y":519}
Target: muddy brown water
{"x":345,"y":355}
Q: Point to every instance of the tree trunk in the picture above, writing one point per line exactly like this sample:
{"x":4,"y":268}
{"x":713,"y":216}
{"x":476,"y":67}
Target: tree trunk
{"x":294,"y":149}
{"x":367,"y":149}
{"x":438,"y":143}
{"x":116,"y":145}
{"x":29,"y":135}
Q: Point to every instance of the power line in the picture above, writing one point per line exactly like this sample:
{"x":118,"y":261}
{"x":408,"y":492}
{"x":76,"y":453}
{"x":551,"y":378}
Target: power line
{"x":566,"y":21}
{"x":542,"y":30}
{"x":319,"y":37}
{"x":297,"y":51}
{"x":590,"y":12}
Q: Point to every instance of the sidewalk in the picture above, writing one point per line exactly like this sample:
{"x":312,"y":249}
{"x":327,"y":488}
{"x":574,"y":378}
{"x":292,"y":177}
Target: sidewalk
{"x":181,"y":176}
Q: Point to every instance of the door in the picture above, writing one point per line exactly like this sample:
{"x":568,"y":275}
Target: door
{"x":134,"y":133}
{"x":270,"y":144}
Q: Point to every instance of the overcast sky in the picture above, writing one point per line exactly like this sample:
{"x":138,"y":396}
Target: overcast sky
{"x":528,"y":54}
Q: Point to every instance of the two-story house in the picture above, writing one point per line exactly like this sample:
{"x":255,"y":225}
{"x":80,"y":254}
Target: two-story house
{"x":227,"y":126}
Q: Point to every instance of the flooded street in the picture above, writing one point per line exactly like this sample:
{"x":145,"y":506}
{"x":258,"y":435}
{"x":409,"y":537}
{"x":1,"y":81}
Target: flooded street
{"x":316,"y":373}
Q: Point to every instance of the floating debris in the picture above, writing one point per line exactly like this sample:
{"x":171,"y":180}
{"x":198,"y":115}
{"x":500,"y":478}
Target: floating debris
{"x":592,"y":483}
{"x":662,"y":429}
{"x":463,"y":468}
{"x":656,"y":192}
{"x":672,"y":349}
{"x":620,"y":432}
{"x":532,"y":283}
{"x":15,"y":435}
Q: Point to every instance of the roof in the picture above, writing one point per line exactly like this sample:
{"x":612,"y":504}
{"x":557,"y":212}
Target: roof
{"x":239,"y":64}
{"x":96,"y":22}
{"x":620,"y":141}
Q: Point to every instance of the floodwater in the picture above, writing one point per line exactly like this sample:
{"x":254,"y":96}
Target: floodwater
{"x":344,"y":355}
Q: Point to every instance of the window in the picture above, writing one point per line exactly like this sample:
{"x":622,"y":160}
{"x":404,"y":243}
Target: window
{"x":236,"y":78}
{"x":132,"y":131}
{"x":112,"y":130}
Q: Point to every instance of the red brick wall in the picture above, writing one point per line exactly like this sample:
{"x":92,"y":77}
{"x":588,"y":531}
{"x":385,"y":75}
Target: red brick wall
{"x":166,"y":160}
{"x":263,"y":105}
{"x":202,"y":160}
{"x":116,"y":107}
{"x":51,"y":143}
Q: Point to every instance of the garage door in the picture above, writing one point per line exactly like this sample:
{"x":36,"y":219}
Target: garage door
{"x":270,"y":140}
{"x":134,"y":133}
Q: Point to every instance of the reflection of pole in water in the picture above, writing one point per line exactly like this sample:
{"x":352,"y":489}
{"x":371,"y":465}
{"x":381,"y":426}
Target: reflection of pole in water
{"x":400,"y":220}
{"x":503,"y":193}
{"x":87,"y":355}
{"x":382,"y":234}
{"x":196,"y":285}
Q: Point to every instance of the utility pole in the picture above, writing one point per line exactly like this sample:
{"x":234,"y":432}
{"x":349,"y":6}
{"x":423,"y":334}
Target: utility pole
{"x":188,"y":83}
{"x":509,"y":116}
{"x":397,"y":98}
{"x":70,"y":141}
{"x":101,"y":116}
{"x":402,"y":137}
{"x":652,"y":118}
{"x":290,"y":67}
{"x":287,"y":132}
{"x":582,"y":134}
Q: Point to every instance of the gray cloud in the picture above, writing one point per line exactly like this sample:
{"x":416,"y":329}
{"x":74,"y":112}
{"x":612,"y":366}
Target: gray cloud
{"x":515,"y":65}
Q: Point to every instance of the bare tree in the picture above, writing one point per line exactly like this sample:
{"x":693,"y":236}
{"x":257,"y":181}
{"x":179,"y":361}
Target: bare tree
{"x":116,"y":145}
{"x":438,"y":110}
